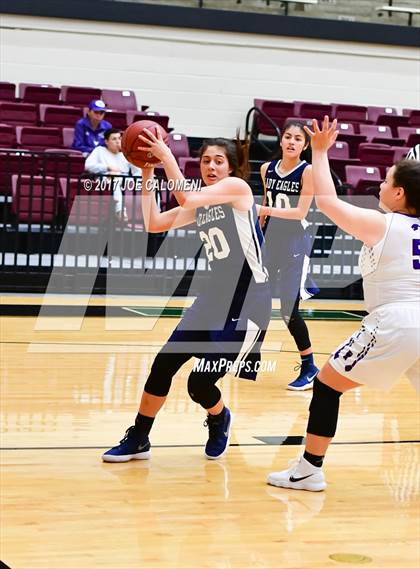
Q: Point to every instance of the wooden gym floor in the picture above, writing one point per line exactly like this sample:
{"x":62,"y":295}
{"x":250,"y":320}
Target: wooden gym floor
{"x":70,"y":387}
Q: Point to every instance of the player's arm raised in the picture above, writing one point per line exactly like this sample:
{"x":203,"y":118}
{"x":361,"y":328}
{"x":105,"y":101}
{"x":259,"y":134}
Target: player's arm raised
{"x":229,"y":190}
{"x":368,"y":225}
{"x":156,"y":221}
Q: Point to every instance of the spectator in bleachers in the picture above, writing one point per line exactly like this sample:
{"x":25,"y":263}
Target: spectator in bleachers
{"x":414,"y":153}
{"x":89,"y":131}
{"x":110,"y":160}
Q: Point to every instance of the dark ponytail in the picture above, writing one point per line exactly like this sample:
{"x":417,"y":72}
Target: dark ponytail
{"x":407,"y":175}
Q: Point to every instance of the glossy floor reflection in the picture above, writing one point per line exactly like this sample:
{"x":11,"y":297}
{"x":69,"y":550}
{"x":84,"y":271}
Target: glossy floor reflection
{"x":63,"y":401}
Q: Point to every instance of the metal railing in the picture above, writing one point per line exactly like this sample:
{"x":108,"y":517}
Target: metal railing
{"x":81,"y":233}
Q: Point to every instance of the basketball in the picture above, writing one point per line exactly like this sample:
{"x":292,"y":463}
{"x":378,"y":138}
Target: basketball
{"x":130,"y":143}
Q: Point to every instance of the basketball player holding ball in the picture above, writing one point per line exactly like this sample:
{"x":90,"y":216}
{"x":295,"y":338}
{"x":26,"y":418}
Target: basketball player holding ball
{"x":225,"y":326}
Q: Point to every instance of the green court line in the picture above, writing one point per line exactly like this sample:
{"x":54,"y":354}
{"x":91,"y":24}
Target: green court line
{"x":311,"y":314}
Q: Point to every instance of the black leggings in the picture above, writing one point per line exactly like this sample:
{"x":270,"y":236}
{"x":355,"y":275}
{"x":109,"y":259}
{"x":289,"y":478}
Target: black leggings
{"x":295,"y":323}
{"x":201,"y":384}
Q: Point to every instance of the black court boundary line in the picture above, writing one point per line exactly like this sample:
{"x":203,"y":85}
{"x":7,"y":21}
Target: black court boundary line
{"x":231,"y":445}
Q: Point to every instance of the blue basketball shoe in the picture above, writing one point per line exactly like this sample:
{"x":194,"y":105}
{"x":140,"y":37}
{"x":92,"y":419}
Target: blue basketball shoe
{"x":219,"y":434}
{"x":305,"y":380}
{"x":131,"y":447}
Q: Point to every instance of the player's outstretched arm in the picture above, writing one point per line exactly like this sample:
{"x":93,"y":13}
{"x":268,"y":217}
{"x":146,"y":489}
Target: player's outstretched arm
{"x":156,"y":221}
{"x":368,"y":225}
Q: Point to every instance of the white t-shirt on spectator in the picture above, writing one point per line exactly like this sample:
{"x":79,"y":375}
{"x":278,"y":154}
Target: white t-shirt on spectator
{"x":101,"y":161}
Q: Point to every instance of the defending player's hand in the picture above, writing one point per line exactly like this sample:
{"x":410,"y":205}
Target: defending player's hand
{"x":323,"y":139}
{"x":154,"y":144}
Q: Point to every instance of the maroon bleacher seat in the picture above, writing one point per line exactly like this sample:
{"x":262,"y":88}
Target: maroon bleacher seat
{"x":394,"y":121}
{"x":39,"y":137}
{"x":59,"y":115}
{"x":178,"y":143}
{"x":35,"y":198}
{"x":62,"y":162}
{"x":389,"y":141}
{"x":68,"y":136}
{"x":378,"y":155}
{"x":7,"y":136}
{"x":18,"y":113}
{"x":414,"y":118}
{"x":118,"y":119}
{"x":406,"y":131}
{"x":83,"y":207}
{"x":353,"y":140}
{"x":374,"y":131}
{"x":39,"y":93}
{"x":380,"y":134}
{"x":363,"y":177}
{"x":339,"y":149}
{"x":79,"y":96}
{"x":338,"y":165}
{"x":278,"y":111}
{"x":7,"y":91}
{"x":190,"y":167}
{"x":374,"y":112}
{"x":312,"y":110}
{"x":339,"y":157}
{"x":410,"y":135}
{"x":400,"y":152}
{"x":346,"y":128}
{"x":116,"y":100}
{"x":350,"y":113}
{"x":15,"y":162}
{"x":148,"y":113}
{"x":298,"y":104}
{"x":133,"y":116}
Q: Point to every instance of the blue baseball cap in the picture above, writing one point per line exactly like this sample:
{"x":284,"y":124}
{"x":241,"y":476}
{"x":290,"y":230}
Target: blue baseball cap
{"x":97,"y":105}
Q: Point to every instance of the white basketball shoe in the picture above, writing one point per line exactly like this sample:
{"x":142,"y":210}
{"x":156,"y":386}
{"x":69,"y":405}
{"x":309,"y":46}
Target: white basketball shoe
{"x":301,"y":476}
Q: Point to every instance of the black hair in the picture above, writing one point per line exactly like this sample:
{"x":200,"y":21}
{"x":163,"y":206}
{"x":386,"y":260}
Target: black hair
{"x":110,"y":131}
{"x":305,"y":154}
{"x":407,"y":175}
{"x":236,"y":151}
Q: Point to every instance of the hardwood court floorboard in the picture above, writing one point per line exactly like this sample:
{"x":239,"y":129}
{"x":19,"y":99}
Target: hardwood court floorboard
{"x":66,"y":509}
{"x":64,"y":401}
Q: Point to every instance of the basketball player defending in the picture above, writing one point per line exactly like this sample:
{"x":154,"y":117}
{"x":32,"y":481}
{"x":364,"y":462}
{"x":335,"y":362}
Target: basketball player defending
{"x":388,"y":341}
{"x":288,"y":191}
{"x":226,"y":324}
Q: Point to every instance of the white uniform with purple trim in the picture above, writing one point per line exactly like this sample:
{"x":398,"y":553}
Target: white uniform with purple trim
{"x":387,"y":345}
